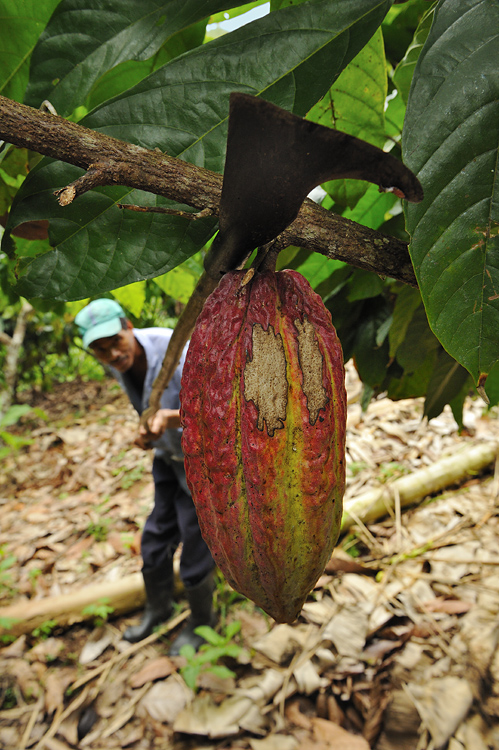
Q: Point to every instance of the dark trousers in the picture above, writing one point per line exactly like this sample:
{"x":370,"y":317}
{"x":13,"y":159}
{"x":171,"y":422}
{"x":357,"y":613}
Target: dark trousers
{"x":173,"y":520}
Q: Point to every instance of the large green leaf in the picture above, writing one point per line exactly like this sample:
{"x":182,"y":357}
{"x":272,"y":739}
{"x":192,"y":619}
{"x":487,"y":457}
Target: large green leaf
{"x":451,"y":141}
{"x":399,"y":26}
{"x":316,"y":268}
{"x":290,"y":57}
{"x":94,"y":255}
{"x":416,"y":351}
{"x":371,"y":358}
{"x":355,"y":104}
{"x":129,"y":73}
{"x":372,"y":208}
{"x":132,"y":297}
{"x":407,"y":302}
{"x":86,"y":38}
{"x":178,"y":283}
{"x":21,"y":23}
{"x":13,"y":170}
{"x":446,"y":383}
{"x":404,"y":71}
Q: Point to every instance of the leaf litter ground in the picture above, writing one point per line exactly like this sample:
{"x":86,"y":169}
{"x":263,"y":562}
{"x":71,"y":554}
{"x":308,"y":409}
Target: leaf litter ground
{"x":397,"y":647}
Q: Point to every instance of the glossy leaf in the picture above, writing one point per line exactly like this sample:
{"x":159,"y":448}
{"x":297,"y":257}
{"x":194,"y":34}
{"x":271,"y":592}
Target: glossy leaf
{"x":412,"y":383}
{"x":446,"y":383}
{"x":371,"y":359}
{"x":95,"y":256}
{"x":416,"y":355}
{"x":363,"y":285}
{"x":21,"y":23}
{"x":394,"y":117}
{"x":182,"y":109}
{"x":372,"y":209}
{"x":407,"y":302}
{"x":404,"y":71}
{"x":131,"y":72}
{"x":417,"y":342}
{"x":458,"y":402}
{"x":317,"y":268}
{"x":66,"y":63}
{"x":355,"y":104}
{"x":451,"y":141}
{"x":132,"y":297}
{"x":399,"y":27}
{"x":178,"y":283}
{"x":13,"y":169}
{"x":277,"y":4}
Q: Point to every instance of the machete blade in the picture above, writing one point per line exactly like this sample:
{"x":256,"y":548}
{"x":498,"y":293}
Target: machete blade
{"x":274,"y":159}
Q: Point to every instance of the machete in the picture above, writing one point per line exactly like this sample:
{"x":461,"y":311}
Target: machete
{"x":273,"y":160}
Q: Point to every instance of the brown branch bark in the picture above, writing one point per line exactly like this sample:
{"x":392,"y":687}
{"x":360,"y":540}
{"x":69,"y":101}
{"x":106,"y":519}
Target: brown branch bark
{"x":117,"y":162}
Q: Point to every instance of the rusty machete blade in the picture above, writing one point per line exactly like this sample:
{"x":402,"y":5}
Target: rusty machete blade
{"x":274,"y":159}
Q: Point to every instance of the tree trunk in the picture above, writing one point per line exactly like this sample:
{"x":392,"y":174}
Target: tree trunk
{"x":413,"y":488}
{"x":123,"y":596}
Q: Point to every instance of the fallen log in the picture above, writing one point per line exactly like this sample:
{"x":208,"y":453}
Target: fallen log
{"x":123,"y":596}
{"x":413,"y":488}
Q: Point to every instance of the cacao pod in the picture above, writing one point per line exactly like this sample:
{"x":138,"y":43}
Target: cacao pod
{"x":263,"y":407}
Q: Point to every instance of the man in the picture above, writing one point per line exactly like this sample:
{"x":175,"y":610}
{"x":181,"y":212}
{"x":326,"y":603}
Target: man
{"x":135,"y":357}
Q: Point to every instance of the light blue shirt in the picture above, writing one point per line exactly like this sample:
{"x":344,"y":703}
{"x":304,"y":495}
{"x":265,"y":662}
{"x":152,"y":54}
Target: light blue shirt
{"x":155,"y":343}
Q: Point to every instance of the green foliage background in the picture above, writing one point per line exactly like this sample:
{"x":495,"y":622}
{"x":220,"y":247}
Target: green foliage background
{"x":417,"y":78}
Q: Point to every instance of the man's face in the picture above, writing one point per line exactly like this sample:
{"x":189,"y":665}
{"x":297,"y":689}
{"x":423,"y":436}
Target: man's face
{"x":117,"y":351}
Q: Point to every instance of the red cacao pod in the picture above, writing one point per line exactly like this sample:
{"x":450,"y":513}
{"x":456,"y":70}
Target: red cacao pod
{"x":264,"y":415}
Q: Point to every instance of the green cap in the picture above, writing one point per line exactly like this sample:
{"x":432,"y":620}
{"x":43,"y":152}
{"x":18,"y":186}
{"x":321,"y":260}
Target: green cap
{"x":99,"y":319}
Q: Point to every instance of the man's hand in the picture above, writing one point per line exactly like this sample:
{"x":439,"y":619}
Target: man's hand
{"x":164,"y":419}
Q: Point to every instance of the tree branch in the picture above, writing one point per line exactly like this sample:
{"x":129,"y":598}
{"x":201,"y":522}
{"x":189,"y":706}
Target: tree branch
{"x":112,"y":161}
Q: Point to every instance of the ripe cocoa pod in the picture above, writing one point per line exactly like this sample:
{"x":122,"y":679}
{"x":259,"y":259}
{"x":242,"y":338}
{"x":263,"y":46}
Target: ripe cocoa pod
{"x":263,"y":407}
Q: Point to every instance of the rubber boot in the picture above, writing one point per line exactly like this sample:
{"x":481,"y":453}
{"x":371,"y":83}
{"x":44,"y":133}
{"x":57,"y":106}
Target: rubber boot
{"x":158,"y":583}
{"x":200,"y":598}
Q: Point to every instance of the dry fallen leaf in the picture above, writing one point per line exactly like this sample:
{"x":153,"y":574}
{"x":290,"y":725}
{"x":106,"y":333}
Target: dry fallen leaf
{"x":378,"y":649}
{"x":156,"y":669}
{"x":98,"y":641}
{"x":295,"y":716}
{"x":165,"y":700}
{"x":56,"y":685}
{"x":209,"y":681}
{"x":448,"y":606}
{"x":342,"y":562}
{"x":46,"y":650}
{"x":15,"y":650}
{"x":54,"y":693}
{"x":25,"y":676}
{"x":337,"y":738}
{"x":442,"y":704}
{"x":275,"y":742}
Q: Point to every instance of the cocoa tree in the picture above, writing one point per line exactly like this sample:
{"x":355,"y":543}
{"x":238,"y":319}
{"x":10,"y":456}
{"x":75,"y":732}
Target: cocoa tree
{"x":142,"y":95}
